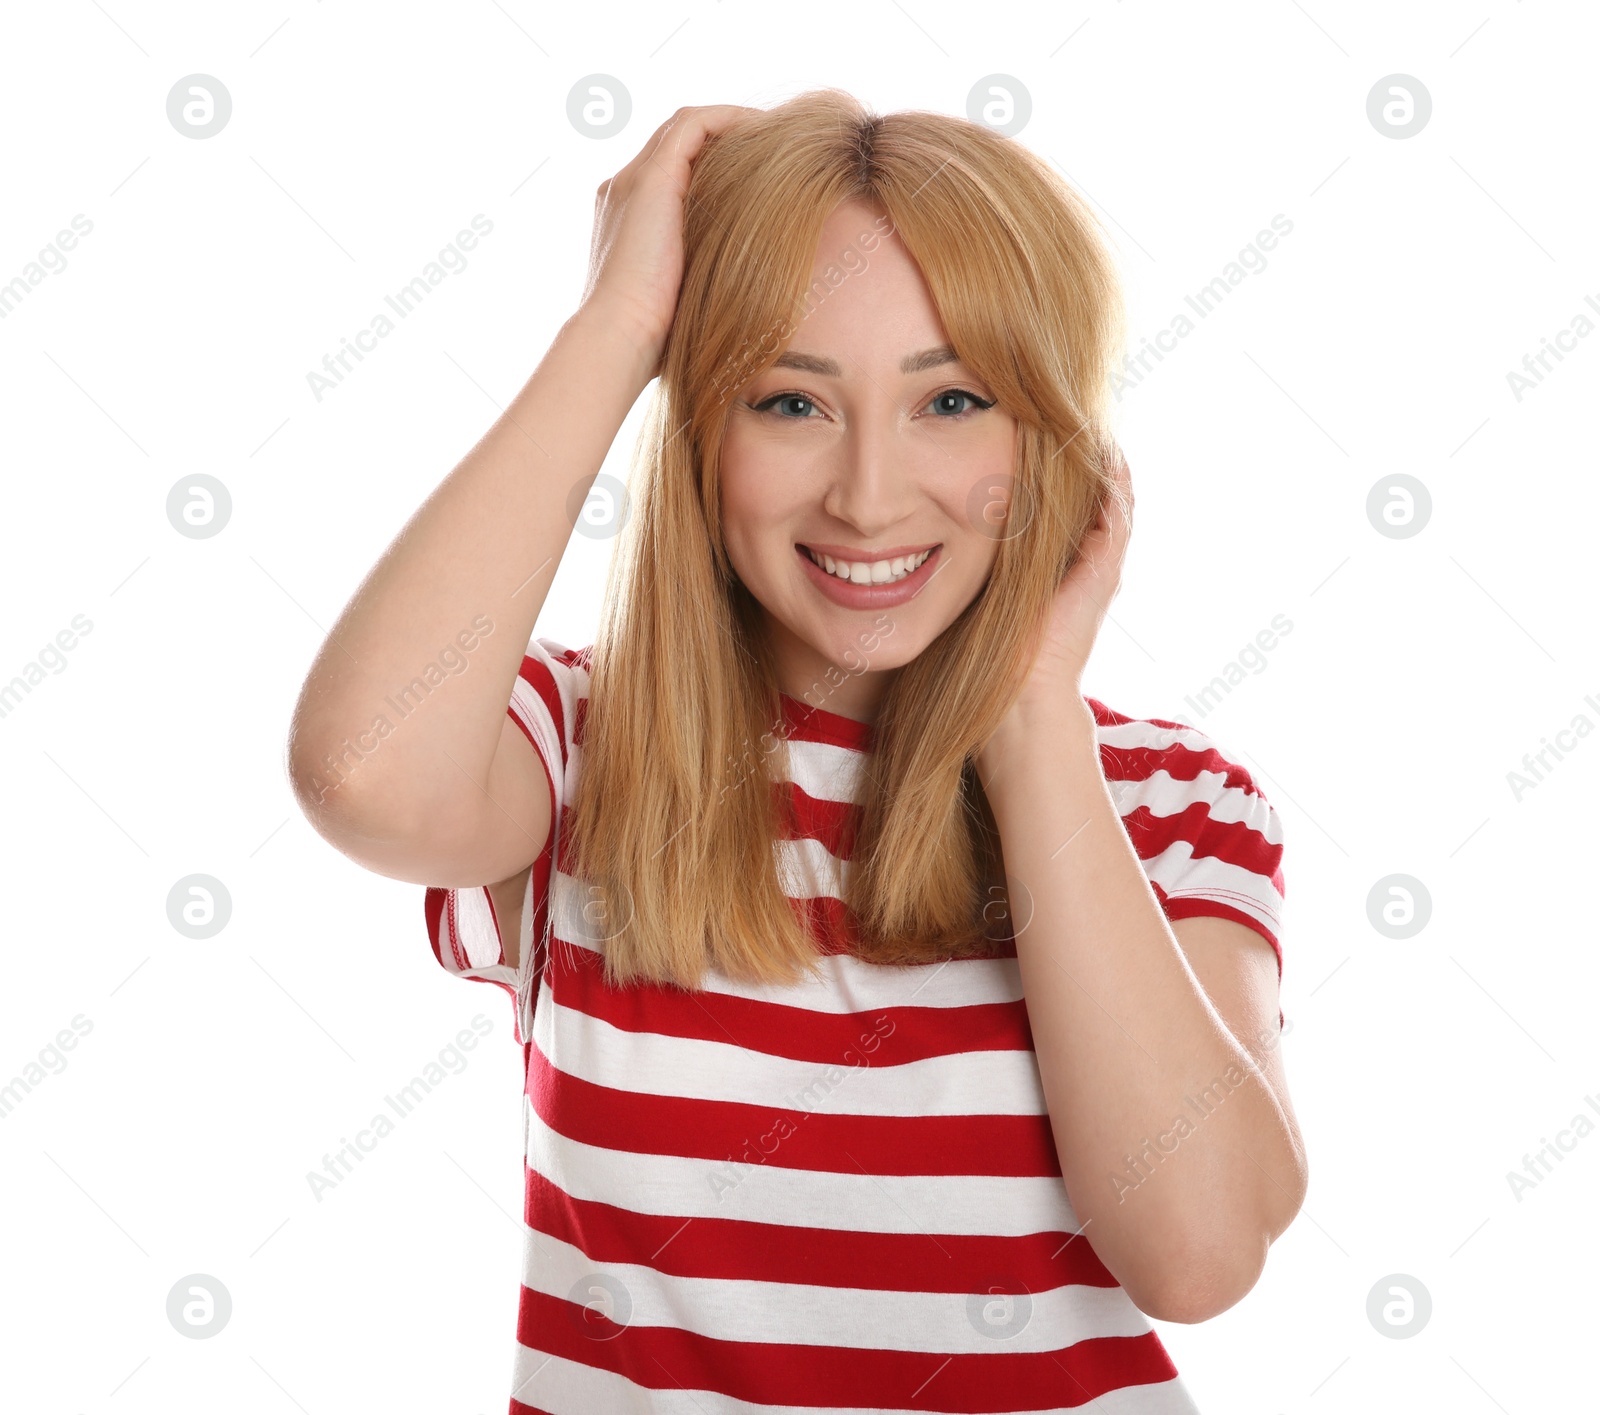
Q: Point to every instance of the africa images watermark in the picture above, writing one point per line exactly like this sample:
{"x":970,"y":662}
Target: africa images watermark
{"x":338,"y":1166}
{"x":1251,"y":260}
{"x":51,"y":260}
{"x":49,"y":1062}
{"x":1564,"y":342}
{"x":735,"y":368}
{"x":450,"y":260}
{"x":1253,"y":656}
{"x":1142,"y":1163}
{"x":1537,"y":765}
{"x":727,"y":1177}
{"x":746,"y":764}
{"x":1537,"y":1167}
{"x":52,"y":658}
{"x":337,"y":767}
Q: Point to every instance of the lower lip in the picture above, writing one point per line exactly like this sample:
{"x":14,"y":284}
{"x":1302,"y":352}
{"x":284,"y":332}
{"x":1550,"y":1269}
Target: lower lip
{"x":854,"y":596}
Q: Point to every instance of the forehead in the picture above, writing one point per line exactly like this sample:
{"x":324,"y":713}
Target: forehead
{"x":866,"y":303}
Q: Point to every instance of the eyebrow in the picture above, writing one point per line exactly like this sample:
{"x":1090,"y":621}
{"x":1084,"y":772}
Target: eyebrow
{"x":829,"y":368}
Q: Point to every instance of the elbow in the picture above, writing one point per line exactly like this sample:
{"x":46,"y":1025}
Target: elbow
{"x":1195,"y":1292}
{"x":324,"y":774}
{"x":1202,"y":1279}
{"x":1205,"y":1278}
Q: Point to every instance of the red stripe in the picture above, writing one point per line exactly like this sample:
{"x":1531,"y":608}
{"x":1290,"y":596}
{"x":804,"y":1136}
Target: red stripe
{"x":832,"y":823}
{"x":631,"y":1122}
{"x":784,"y":1373}
{"x":433,"y":902}
{"x":881,"y":1036}
{"x":1197,"y":908}
{"x":805,"y":723}
{"x":1233,"y":842}
{"x":743,"y":1250}
{"x":534,"y":673}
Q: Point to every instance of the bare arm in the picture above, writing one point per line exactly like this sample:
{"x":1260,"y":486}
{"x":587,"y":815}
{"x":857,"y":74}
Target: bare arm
{"x":466,"y":577}
{"x":1128,"y":1030}
{"x":400,"y":751}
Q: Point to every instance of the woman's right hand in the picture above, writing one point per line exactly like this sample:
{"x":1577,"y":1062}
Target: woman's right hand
{"x":636,"y":251}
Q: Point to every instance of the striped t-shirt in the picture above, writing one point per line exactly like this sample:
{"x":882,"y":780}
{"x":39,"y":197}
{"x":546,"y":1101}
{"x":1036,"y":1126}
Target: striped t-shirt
{"x":838,"y":1195}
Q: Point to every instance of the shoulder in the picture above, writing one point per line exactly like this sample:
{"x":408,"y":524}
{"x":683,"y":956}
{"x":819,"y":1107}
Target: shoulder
{"x":1137,"y":750}
{"x":1186,"y":798}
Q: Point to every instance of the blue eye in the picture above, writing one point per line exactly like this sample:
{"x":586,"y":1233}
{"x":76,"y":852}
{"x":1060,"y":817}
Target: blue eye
{"x":962,"y":393}
{"x":768,"y":404}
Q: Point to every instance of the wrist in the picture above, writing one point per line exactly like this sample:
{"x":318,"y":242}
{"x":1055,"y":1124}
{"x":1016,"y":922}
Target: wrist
{"x":622,"y":336}
{"x":1062,"y":724}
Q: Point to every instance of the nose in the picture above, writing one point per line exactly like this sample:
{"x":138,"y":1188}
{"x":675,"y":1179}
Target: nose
{"x":871,"y":480}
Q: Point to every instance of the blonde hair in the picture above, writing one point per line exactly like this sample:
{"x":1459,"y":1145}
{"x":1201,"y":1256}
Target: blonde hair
{"x":675,"y":816}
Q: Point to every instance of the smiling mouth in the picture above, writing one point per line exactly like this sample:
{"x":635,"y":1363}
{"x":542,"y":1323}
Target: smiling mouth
{"x":868,"y":572}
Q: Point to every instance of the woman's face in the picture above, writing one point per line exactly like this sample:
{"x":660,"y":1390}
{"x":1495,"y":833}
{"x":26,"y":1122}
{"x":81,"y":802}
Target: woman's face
{"x":877,"y":449}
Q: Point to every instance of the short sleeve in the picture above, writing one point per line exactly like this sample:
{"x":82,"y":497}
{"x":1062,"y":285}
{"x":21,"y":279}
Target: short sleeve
{"x":1210,"y":841}
{"x":465,"y":935}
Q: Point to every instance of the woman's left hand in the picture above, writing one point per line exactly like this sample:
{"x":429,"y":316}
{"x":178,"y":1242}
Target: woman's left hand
{"x":1080,"y":603}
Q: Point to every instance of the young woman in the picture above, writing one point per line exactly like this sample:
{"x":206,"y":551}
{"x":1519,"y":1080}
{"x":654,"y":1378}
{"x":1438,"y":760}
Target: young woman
{"x":900,"y":1024}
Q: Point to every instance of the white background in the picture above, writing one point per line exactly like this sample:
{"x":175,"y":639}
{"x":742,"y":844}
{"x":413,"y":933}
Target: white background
{"x":177,"y":341}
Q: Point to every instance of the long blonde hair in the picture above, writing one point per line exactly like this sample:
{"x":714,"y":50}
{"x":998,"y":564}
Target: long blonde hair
{"x":675,"y":816}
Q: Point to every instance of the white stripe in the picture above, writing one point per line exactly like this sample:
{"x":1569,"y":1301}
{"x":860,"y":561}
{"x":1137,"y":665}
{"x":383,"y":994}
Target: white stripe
{"x":859,"y":1083}
{"x":474,"y":930}
{"x":805,"y":1314}
{"x":824,"y":771}
{"x":847,"y":984}
{"x":553,"y":1383}
{"x":1139,"y":733}
{"x":1183,"y":876}
{"x":1165,"y":795}
{"x":534,"y":714}
{"x":807,"y":869}
{"x":993,"y":1205}
{"x":554,"y":746}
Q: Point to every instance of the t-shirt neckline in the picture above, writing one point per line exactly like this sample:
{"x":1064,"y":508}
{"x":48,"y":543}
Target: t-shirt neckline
{"x":820,"y":724}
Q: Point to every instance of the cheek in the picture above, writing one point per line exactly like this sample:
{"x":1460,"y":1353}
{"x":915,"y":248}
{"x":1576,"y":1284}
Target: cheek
{"x":741,"y":502}
{"x":760,"y":494}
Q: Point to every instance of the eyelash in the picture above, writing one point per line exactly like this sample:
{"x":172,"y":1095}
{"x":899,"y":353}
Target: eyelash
{"x":766,"y":405}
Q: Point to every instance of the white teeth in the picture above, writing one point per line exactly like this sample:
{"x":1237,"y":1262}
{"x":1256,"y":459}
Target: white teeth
{"x":877,"y":572}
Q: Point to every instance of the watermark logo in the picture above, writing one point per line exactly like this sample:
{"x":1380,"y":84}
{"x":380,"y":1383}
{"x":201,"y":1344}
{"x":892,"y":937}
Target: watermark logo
{"x":1399,"y":106}
{"x":199,"y":1306}
{"x":199,"y":506}
{"x":1399,"y":906}
{"x":1399,"y":1306}
{"x":599,"y":507}
{"x":1000,"y":1309}
{"x":199,"y":106}
{"x":1399,"y":506}
{"x":601,"y":1305}
{"x":1001,"y":102}
{"x":199,"y":906}
{"x":599,"y":106}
